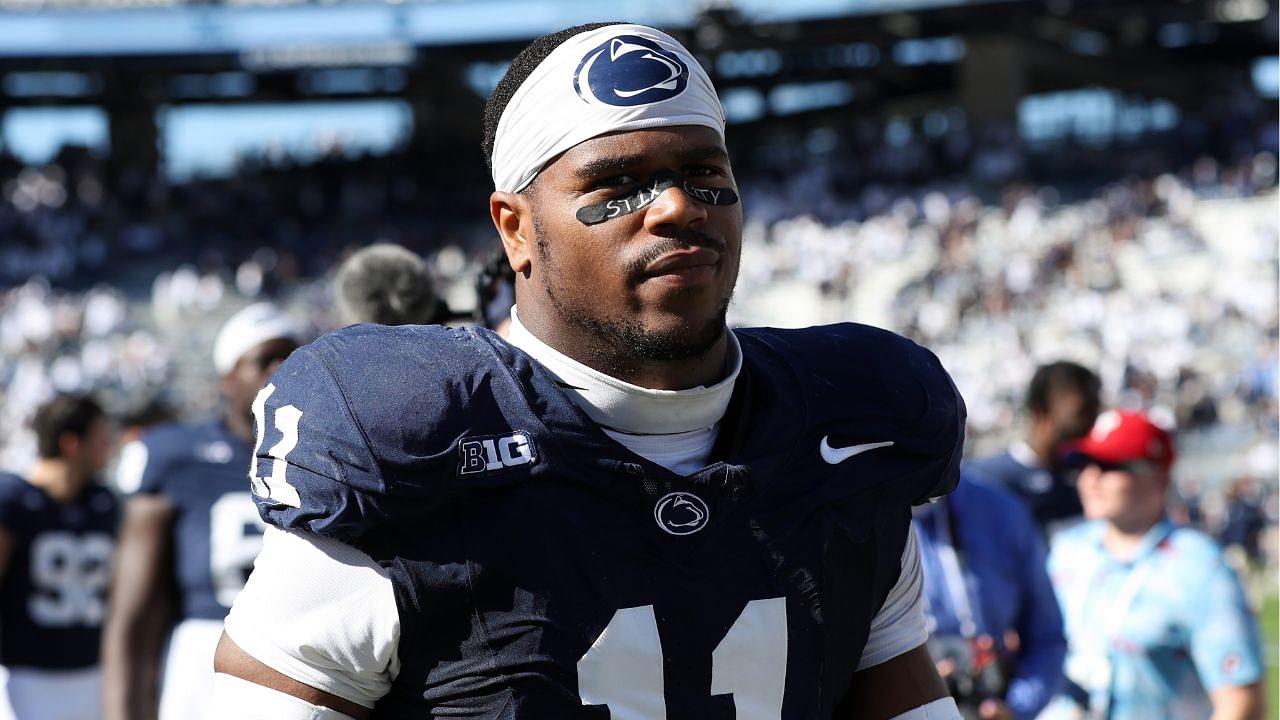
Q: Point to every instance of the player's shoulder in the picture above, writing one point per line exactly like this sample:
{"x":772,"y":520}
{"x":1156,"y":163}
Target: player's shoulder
{"x":11,"y":487}
{"x":380,"y":376}
{"x":18,"y":500}
{"x":833,"y":345}
{"x":858,"y":384}
{"x":367,"y":345}
{"x":383,"y":362}
{"x":860,"y":367}
{"x":177,"y":438}
{"x":101,"y":498}
{"x":366,"y":421}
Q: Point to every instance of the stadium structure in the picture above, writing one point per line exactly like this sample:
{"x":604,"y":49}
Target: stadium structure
{"x":779,"y":65}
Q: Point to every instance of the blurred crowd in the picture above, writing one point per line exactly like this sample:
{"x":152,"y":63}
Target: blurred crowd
{"x":81,"y":216}
{"x":1153,"y":260}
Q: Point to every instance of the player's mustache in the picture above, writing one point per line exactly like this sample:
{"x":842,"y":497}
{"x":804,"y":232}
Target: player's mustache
{"x":685,"y":240}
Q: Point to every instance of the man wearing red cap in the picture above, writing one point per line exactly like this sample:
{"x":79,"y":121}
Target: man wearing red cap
{"x":1156,"y":623}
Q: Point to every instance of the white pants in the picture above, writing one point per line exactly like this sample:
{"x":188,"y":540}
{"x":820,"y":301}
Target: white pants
{"x":55,"y":694}
{"x":188,"y":670}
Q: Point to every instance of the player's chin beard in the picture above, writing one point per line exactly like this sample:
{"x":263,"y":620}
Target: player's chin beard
{"x":621,"y":344}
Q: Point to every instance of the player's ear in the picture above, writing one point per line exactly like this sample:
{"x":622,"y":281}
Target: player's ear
{"x":514,"y":221}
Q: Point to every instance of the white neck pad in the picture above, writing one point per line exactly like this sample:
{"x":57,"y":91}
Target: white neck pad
{"x":627,"y":408}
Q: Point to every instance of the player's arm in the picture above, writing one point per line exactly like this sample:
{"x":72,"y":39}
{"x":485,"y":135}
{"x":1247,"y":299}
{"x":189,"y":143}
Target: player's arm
{"x":245,"y":687}
{"x":896,"y":678}
{"x":316,"y":627}
{"x":313,"y":635}
{"x":139,"y":610}
{"x":906,"y":687}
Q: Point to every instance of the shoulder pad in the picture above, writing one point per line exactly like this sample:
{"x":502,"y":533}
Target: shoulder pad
{"x":11,"y":491}
{"x":363,"y":419}
{"x":862,"y":384}
{"x":10,"y":486}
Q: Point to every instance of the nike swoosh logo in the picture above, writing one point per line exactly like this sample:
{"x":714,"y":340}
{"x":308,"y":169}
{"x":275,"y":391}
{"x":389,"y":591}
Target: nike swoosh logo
{"x":835,"y":456}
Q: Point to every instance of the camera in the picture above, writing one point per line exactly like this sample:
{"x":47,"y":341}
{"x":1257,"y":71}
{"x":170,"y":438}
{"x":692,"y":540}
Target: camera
{"x":972,"y":669}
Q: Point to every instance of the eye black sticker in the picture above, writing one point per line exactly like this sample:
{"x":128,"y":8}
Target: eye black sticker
{"x":657,"y":184}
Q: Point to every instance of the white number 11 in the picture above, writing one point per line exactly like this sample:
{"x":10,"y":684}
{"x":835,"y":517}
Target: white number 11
{"x":623,"y":667}
{"x":275,"y":485}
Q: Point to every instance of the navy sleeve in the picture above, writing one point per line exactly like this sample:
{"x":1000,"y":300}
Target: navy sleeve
{"x":312,"y":468}
{"x":942,"y":424}
{"x":903,"y":394}
{"x":10,"y":499}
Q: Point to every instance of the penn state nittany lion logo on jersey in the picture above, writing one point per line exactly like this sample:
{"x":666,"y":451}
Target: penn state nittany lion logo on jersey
{"x":629,"y":70}
{"x":681,"y":513}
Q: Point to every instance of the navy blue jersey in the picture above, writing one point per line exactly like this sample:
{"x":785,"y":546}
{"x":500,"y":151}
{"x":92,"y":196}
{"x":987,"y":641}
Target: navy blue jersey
{"x":53,"y":593}
{"x":201,"y":470}
{"x":542,"y":570}
{"x":1049,"y":496}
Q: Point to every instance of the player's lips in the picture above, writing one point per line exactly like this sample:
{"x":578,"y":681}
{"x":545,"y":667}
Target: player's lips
{"x":692,"y":265}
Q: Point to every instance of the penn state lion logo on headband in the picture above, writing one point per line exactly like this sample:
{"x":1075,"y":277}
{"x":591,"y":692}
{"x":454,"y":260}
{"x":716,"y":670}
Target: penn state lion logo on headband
{"x":629,"y":70}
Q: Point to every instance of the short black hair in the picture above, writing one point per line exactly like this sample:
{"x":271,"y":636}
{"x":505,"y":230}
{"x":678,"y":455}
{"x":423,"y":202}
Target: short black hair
{"x":385,"y":284}
{"x":519,"y":70}
{"x":63,"y":414}
{"x":1058,"y":376}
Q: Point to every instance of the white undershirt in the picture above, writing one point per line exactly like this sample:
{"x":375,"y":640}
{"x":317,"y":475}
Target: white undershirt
{"x":324,"y":613}
{"x":676,"y":429}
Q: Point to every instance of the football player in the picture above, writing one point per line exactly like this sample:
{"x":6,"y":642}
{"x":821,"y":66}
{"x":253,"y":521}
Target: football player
{"x":1063,"y":399}
{"x":190,"y":533}
{"x":625,"y":511}
{"x":57,"y":533}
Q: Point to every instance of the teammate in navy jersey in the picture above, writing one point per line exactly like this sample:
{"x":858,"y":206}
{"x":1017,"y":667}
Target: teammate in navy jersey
{"x":57,"y":534}
{"x":190,"y":534}
{"x":1062,"y":404}
{"x":623,"y":511}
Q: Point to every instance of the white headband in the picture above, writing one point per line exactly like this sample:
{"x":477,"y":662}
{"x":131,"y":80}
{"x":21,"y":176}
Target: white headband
{"x":614,"y":78}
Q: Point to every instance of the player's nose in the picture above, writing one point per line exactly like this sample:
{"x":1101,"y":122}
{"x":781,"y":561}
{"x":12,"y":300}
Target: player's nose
{"x":673,"y":210}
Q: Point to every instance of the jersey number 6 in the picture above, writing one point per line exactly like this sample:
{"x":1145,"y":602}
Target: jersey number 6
{"x":275,"y":486}
{"x":623,"y":668}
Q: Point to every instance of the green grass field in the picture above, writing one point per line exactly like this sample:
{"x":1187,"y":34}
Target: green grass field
{"x":1270,"y":632}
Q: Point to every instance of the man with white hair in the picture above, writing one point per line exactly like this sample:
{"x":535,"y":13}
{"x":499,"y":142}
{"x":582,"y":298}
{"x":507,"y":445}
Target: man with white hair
{"x":386,"y":284}
{"x":190,"y":533}
{"x":625,"y":510}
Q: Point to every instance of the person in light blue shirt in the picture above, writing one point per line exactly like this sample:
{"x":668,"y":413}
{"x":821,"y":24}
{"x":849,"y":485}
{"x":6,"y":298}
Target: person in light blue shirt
{"x":996,"y":628}
{"x":1157,"y":625}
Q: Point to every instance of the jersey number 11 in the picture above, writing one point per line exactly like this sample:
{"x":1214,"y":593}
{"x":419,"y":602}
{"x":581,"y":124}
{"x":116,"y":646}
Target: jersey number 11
{"x":274,"y":485}
{"x":623,"y":668}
